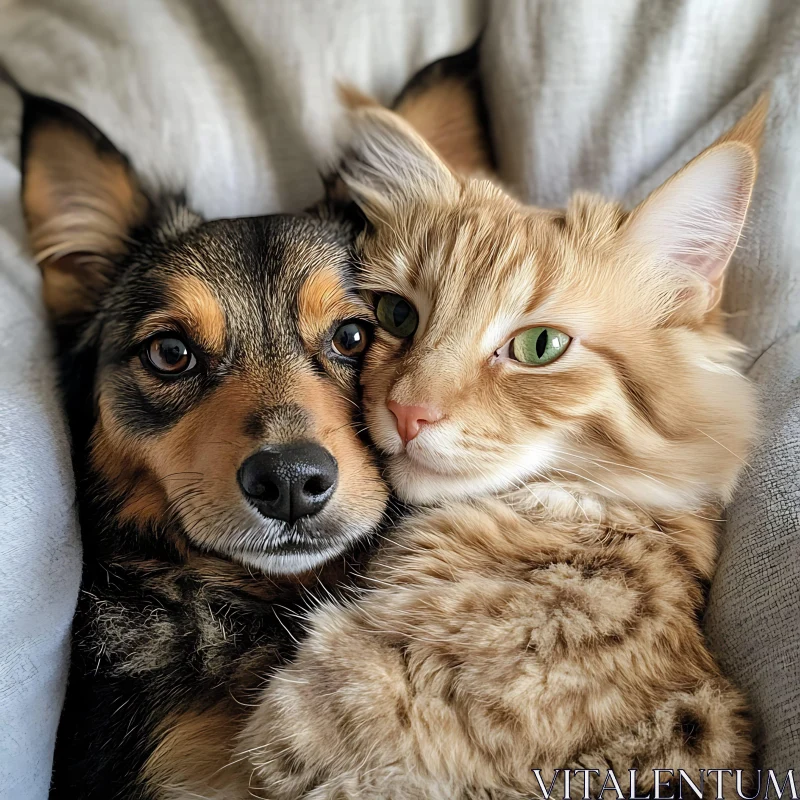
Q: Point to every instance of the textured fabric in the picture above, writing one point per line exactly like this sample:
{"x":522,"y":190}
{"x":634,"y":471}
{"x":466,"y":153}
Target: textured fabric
{"x":39,"y":550}
{"x":614,"y":97}
{"x":232,"y":101}
{"x":754,"y":617}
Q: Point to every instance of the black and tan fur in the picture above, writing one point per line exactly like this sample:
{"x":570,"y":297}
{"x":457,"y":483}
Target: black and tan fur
{"x":187,"y":602}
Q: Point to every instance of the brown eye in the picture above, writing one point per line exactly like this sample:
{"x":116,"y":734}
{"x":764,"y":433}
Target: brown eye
{"x":350,"y":340}
{"x":169,"y":355}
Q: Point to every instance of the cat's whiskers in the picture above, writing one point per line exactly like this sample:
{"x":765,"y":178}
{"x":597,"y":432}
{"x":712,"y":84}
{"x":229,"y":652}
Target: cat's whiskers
{"x":569,"y":456}
{"x":608,"y":489}
{"x":686,"y":511}
{"x":650,"y":475}
{"x":598,"y":461}
{"x":716,"y":441}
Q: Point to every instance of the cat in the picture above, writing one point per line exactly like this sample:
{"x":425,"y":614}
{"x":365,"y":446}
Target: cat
{"x":555,"y":393}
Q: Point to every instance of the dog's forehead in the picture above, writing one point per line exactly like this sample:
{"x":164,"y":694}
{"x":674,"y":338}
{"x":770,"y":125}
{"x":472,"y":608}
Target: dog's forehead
{"x":252,"y":274}
{"x":248,"y":259}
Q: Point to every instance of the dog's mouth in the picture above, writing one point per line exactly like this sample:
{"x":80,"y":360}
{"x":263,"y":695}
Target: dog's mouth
{"x":291,"y":561}
{"x":278,"y":547}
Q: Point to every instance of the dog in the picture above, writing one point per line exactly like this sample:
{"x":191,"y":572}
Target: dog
{"x":210,"y":377}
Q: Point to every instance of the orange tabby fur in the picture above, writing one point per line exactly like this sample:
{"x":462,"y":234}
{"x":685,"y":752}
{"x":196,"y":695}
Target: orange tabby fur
{"x":543,"y":613}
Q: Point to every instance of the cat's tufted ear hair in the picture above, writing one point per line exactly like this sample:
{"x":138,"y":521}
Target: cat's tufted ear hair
{"x":386,"y":163}
{"x":81,"y":202}
{"x":691,"y":224}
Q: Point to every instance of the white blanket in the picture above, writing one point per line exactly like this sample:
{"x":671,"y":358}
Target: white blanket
{"x":39,"y":551}
{"x":232,"y":101}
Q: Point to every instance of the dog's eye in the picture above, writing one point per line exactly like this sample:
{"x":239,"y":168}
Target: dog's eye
{"x":350,"y":339}
{"x":168,"y":355}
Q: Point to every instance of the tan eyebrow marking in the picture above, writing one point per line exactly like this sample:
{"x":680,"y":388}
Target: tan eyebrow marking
{"x":322,"y":300}
{"x":192,"y":305}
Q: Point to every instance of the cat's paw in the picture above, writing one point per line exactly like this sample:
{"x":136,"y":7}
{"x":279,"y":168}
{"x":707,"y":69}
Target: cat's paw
{"x":268,"y":743}
{"x":337,"y":708}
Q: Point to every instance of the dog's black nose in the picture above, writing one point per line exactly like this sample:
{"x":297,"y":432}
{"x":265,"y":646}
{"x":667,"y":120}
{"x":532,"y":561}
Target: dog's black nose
{"x":289,"y":481}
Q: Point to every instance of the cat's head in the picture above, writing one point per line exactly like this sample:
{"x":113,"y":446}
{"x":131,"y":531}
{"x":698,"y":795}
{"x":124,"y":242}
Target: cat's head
{"x":582,"y":346}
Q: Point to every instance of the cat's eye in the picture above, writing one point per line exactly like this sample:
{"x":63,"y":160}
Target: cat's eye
{"x":167,"y":354}
{"x":539,"y":346}
{"x":396,"y":315}
{"x":350,"y":339}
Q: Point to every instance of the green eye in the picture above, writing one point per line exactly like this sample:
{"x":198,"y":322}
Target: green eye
{"x":396,"y":315}
{"x":539,"y":346}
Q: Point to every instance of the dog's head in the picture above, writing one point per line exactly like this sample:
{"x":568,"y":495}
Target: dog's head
{"x":212,"y":366}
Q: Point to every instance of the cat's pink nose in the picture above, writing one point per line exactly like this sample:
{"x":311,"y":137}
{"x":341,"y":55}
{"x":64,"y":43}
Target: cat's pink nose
{"x":411,"y":418}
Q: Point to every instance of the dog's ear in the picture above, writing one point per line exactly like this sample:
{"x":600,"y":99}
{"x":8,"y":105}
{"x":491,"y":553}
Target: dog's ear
{"x":437,"y":128}
{"x":81,"y":202}
{"x":444,"y":103}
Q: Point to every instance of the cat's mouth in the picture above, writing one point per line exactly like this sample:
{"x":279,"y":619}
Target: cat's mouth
{"x":418,"y":457}
{"x":415,"y":454}
{"x":418,"y":481}
{"x":425,"y":474}
{"x":425,"y":455}
{"x":436,"y":464}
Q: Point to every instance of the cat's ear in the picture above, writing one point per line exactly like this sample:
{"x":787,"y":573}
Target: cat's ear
{"x":387,"y":163}
{"x":693,"y":221}
{"x":81,"y":201}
